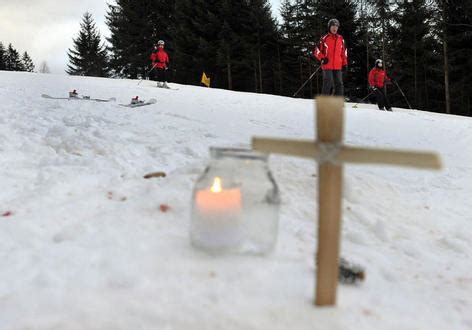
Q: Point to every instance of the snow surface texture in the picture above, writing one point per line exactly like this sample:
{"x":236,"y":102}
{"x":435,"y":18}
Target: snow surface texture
{"x":85,"y":245}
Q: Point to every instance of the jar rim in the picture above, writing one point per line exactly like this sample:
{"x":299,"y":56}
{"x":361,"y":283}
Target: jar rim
{"x":241,"y":153}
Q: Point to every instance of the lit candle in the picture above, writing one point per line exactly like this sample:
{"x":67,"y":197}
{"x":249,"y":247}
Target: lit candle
{"x":217,"y":200}
{"x":217,"y":213}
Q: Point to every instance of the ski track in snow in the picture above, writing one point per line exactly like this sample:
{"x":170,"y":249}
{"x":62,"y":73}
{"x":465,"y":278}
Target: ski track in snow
{"x":85,"y":246}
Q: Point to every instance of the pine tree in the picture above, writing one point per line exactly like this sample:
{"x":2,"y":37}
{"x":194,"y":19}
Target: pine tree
{"x":233,"y":42}
{"x":136,"y":26}
{"x":442,"y":34}
{"x":2,"y":57}
{"x":89,"y":57}
{"x":245,"y":45}
{"x":197,"y":47}
{"x":263,"y":43}
{"x":459,"y":34}
{"x":44,"y":68}
{"x":225,"y":51}
{"x":227,"y":56}
{"x":28,"y":64}
{"x":410,"y":54}
{"x":12,"y":60}
{"x":291,"y":52}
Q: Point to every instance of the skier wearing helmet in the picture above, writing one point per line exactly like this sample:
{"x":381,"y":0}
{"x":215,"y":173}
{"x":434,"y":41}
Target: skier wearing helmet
{"x":377,"y":79}
{"x":160,"y":61}
{"x":332,"y":54}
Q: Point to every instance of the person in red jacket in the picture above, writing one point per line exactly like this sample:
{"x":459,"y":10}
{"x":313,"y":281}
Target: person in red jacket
{"x":332,"y":54}
{"x":377,"y":79}
{"x":160,"y":63}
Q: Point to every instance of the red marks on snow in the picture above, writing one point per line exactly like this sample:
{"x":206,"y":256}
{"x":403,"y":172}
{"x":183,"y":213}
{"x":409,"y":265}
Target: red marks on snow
{"x":112,"y":196}
{"x":7,"y":214}
{"x":164,"y":208}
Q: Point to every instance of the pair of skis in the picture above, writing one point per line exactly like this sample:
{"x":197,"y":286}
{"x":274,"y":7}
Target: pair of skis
{"x":135,"y":102}
{"x":81,"y":98}
{"x":168,"y":87}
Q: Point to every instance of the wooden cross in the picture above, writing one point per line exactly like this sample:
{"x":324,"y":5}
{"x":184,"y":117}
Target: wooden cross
{"x":331,"y":154}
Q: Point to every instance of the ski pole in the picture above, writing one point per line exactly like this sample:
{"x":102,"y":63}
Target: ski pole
{"x":147,"y":73}
{"x":396,"y":84}
{"x":355,"y":105}
{"x":311,"y":77}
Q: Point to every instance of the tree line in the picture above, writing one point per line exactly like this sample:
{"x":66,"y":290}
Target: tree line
{"x":425,"y":44}
{"x":11,"y":60}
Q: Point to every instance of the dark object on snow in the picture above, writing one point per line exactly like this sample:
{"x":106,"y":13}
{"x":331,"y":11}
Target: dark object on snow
{"x":136,"y":100}
{"x":350,"y":273}
{"x":73,"y":94}
{"x":159,"y":174}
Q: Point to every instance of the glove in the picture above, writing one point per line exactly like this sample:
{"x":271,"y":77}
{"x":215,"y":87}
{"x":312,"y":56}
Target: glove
{"x":373,"y":88}
{"x":324,"y":60}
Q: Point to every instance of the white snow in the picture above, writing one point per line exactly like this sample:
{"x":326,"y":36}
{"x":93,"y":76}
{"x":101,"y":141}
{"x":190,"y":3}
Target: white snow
{"x":84,"y":244}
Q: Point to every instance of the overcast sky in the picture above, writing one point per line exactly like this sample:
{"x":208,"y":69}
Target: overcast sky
{"x":45,"y":28}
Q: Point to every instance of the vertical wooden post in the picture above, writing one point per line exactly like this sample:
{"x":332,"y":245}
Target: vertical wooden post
{"x":329,"y":124}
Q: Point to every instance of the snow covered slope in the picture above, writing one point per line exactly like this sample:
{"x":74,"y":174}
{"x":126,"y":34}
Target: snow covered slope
{"x":84,"y":244}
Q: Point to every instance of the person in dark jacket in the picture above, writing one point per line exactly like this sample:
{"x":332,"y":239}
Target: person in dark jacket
{"x":332,"y":54}
{"x":377,"y":79}
{"x":160,"y":63}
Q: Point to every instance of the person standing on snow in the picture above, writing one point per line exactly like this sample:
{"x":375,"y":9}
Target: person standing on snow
{"x":377,"y":79}
{"x":332,"y":54}
{"x":160,"y":61}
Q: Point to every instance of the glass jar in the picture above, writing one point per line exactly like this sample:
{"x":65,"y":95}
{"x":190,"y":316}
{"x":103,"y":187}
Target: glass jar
{"x":235,"y":204}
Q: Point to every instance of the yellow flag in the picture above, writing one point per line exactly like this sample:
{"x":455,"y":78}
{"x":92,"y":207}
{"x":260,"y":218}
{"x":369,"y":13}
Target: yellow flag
{"x":205,"y":80}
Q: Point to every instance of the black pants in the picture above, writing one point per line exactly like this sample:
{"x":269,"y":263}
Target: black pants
{"x":160,"y":75}
{"x":382,"y":100}
{"x":332,"y":78}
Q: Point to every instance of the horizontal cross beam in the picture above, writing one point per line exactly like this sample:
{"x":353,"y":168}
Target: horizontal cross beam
{"x":346,"y":154}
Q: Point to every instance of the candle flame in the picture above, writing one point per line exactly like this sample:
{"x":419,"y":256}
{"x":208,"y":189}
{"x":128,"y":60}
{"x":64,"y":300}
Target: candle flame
{"x":216,"y":187}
